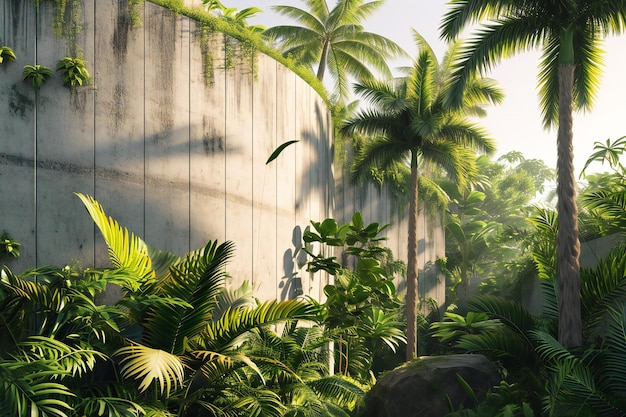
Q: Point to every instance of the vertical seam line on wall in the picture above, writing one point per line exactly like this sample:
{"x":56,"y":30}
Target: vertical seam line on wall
{"x":95,"y":126}
{"x":189,"y":132}
{"x":145,"y":173}
{"x":35,"y":132}
{"x":276,"y":221}
{"x":225,"y":81}
{"x":254,"y":260}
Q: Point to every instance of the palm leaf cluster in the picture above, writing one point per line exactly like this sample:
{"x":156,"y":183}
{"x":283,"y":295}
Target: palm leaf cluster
{"x":334,"y":41}
{"x":175,"y":343}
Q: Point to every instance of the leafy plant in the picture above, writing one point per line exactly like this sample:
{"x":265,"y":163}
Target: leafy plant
{"x":361,"y":310}
{"x":8,"y":246}
{"x":7,"y":53}
{"x":37,"y":73}
{"x":74,"y":71}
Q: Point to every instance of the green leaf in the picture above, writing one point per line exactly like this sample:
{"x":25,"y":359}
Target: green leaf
{"x":278,"y":150}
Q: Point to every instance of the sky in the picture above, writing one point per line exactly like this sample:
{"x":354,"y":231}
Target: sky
{"x":515,"y":125}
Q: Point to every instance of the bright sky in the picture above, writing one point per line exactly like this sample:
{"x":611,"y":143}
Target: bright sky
{"x":515,"y":124}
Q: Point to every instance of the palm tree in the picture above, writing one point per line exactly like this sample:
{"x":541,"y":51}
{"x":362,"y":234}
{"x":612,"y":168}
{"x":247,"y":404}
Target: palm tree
{"x":568,"y":32}
{"x":335,"y":41}
{"x":411,"y":123}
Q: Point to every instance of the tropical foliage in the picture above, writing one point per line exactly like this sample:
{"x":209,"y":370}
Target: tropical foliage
{"x":544,"y":378}
{"x":176,"y":342}
{"x":6,"y":53}
{"x":569,"y":34}
{"x":361,"y":312}
{"x":488,"y":236}
{"x":238,"y":17}
{"x":8,"y":247}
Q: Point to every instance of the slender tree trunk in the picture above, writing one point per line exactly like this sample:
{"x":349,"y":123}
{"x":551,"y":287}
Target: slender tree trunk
{"x":411,"y":270}
{"x":568,"y":245}
{"x":323,"y":59}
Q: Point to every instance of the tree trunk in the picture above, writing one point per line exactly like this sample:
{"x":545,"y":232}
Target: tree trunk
{"x":323,"y":59}
{"x":411,"y":270}
{"x":568,"y":245}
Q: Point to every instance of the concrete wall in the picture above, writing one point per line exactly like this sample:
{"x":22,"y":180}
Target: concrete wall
{"x":172,"y":141}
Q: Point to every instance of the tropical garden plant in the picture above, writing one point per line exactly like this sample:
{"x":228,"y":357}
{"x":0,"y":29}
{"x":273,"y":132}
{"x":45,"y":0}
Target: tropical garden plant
{"x":37,"y":74}
{"x":487,"y":227}
{"x":334,"y":41}
{"x":74,"y":72}
{"x":6,"y":53}
{"x":361,"y":313}
{"x":547,"y":378}
{"x":569,"y":34}
{"x":411,"y":125}
{"x":8,"y":246}
{"x":233,"y":15}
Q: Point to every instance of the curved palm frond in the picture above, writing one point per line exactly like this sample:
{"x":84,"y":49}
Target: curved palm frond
{"x":338,"y":389}
{"x":115,"y":407}
{"x":510,"y":313}
{"x":223,"y":334}
{"x":71,"y":361}
{"x":125,"y":249}
{"x":148,"y":366}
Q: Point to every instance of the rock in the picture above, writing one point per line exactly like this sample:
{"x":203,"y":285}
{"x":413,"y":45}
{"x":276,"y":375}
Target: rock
{"x":429,"y":386}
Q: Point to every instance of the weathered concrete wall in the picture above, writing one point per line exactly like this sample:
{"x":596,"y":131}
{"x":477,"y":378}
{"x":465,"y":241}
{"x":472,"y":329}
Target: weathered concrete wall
{"x":170,"y":140}
{"x":171,"y":137}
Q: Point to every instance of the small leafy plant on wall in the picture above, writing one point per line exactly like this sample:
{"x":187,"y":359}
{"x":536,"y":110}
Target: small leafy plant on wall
{"x":74,"y":72}
{"x":6,"y":53}
{"x":37,"y":73}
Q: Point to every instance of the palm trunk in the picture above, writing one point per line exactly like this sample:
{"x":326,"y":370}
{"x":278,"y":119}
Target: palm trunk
{"x":411,"y":270}
{"x":323,"y":59}
{"x":568,"y":245}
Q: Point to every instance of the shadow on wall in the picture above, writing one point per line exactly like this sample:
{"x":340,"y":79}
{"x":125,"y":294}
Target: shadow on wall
{"x":293,"y":261}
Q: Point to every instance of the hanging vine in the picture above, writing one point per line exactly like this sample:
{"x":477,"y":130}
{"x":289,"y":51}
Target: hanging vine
{"x":207,"y":38}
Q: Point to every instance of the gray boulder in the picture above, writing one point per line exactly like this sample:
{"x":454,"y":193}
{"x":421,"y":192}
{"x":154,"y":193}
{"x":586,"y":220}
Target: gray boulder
{"x":429,"y":386}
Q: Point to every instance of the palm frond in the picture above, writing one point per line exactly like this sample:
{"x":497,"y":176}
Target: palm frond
{"x":125,"y":249}
{"x":26,"y":389}
{"x":257,"y":402}
{"x":114,"y":407}
{"x":338,"y":389}
{"x":508,"y":312}
{"x":71,"y":361}
{"x":197,"y":281}
{"x":147,"y":366}
{"x":222,"y":335}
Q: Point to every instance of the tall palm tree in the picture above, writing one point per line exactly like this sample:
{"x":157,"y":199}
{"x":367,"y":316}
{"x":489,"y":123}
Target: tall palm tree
{"x":334,"y":40}
{"x":410,"y":123}
{"x":568,"y":32}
